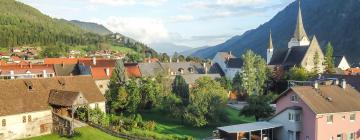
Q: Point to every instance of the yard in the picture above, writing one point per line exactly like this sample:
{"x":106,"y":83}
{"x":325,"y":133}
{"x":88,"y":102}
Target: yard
{"x":167,"y":125}
{"x":84,"y":133}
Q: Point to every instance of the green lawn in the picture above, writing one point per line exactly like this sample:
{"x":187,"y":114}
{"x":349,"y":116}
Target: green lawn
{"x":170,"y":126}
{"x":84,"y":133}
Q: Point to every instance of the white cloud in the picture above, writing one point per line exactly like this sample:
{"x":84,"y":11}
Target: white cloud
{"x":146,"y":30}
{"x":223,"y":14}
{"x":240,"y":2}
{"x":129,"y":2}
{"x":181,"y":18}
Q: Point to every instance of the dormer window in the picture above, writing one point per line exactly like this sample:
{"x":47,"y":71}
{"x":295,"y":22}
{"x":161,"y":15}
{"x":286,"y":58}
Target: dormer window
{"x":191,"y":70}
{"x":61,"y":82}
{"x":181,"y":70}
{"x":294,"y":98}
{"x":29,"y":85}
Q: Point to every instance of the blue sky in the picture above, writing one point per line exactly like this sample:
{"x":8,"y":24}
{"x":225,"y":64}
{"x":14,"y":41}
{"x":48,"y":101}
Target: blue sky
{"x":194,"y":23}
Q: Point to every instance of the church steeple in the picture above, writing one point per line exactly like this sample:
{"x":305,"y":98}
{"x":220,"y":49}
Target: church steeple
{"x":270,"y":44}
{"x":270,"y":49}
{"x":300,"y":33}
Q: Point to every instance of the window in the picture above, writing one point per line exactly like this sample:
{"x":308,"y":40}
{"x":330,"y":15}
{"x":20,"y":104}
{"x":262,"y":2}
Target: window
{"x":29,"y":118}
{"x":291,"y":117}
{"x":294,"y":98}
{"x":290,"y":135}
{"x":3,"y":122}
{"x":24,"y":119}
{"x":352,"y":117}
{"x":351,"y":136}
{"x":329,"y":119}
{"x":339,"y":137}
{"x":96,"y":105}
{"x":101,"y":86}
{"x":297,"y":117}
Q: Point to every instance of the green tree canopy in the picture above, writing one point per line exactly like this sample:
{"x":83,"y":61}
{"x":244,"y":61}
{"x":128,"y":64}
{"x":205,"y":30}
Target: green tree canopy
{"x":253,"y":76}
{"x":181,"y":89}
{"x":329,"y":61}
{"x":258,"y":106}
{"x":207,"y":102}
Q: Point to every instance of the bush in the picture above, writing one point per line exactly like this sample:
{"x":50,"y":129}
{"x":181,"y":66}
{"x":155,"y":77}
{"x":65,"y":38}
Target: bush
{"x":150,"y":125}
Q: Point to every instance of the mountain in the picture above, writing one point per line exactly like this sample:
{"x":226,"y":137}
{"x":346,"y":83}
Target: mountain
{"x":192,"y":50}
{"x":336,"y":21}
{"x":169,"y":48}
{"x":92,"y":27}
{"x":21,"y":24}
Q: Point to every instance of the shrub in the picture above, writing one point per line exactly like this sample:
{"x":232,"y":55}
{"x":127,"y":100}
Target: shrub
{"x":150,"y":125}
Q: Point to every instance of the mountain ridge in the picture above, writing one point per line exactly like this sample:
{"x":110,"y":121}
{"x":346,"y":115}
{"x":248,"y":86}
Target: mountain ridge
{"x":92,"y":27}
{"x":329,"y":20}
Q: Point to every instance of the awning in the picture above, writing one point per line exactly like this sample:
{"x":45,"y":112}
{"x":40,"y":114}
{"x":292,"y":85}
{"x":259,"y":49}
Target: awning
{"x":248,"y":127}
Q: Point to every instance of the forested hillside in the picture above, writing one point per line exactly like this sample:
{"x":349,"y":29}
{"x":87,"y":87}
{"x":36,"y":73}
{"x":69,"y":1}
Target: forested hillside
{"x":22,"y":25}
{"x":92,"y":27}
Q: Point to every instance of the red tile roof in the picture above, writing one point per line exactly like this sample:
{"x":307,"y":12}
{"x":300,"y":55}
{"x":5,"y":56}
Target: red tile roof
{"x":151,"y":60}
{"x":19,"y":69}
{"x":60,"y":60}
{"x":99,"y":73}
{"x":133,"y":70}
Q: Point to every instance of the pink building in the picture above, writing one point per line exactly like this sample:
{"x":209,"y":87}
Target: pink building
{"x":326,"y":110}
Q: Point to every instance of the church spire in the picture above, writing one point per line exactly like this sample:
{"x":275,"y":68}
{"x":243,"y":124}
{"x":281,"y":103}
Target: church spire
{"x":270,"y":45}
{"x":300,"y":33}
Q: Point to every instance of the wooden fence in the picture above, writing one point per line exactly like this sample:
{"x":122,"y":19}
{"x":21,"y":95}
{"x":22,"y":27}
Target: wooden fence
{"x":118,"y":134}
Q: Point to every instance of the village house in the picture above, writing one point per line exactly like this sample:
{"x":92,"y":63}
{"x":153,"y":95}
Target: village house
{"x":300,"y":52}
{"x":327,"y":110}
{"x":27,"y":106}
{"x":19,"y":71}
{"x":99,"y":68}
{"x":229,"y":64}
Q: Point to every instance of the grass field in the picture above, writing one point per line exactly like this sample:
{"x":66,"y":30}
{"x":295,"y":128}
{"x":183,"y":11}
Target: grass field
{"x":84,"y":133}
{"x":170,"y":126}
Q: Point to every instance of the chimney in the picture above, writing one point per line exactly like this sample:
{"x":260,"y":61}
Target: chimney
{"x":44,"y":74}
{"x":12,"y":74}
{"x":63,"y":64}
{"x":230,"y":53}
{"x":336,"y":82}
{"x":177,"y":60}
{"x":107,"y":70}
{"x":170,"y":60}
{"x":29,"y":64}
{"x":343,"y":83}
{"x":169,"y":70}
{"x":94,"y":60}
{"x":316,"y":84}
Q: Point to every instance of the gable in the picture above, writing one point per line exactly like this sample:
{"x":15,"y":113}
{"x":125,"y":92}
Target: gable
{"x":310,"y":53}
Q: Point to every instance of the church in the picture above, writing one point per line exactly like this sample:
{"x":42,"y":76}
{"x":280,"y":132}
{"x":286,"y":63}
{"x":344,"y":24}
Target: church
{"x":301,"y":51}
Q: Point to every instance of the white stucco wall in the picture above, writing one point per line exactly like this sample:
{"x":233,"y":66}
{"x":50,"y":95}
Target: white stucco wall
{"x":103,"y":85}
{"x":219,"y":60}
{"x":101,"y":106}
{"x":343,"y":65}
{"x":231,"y":72}
{"x":283,"y":118}
{"x":16,"y":129}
